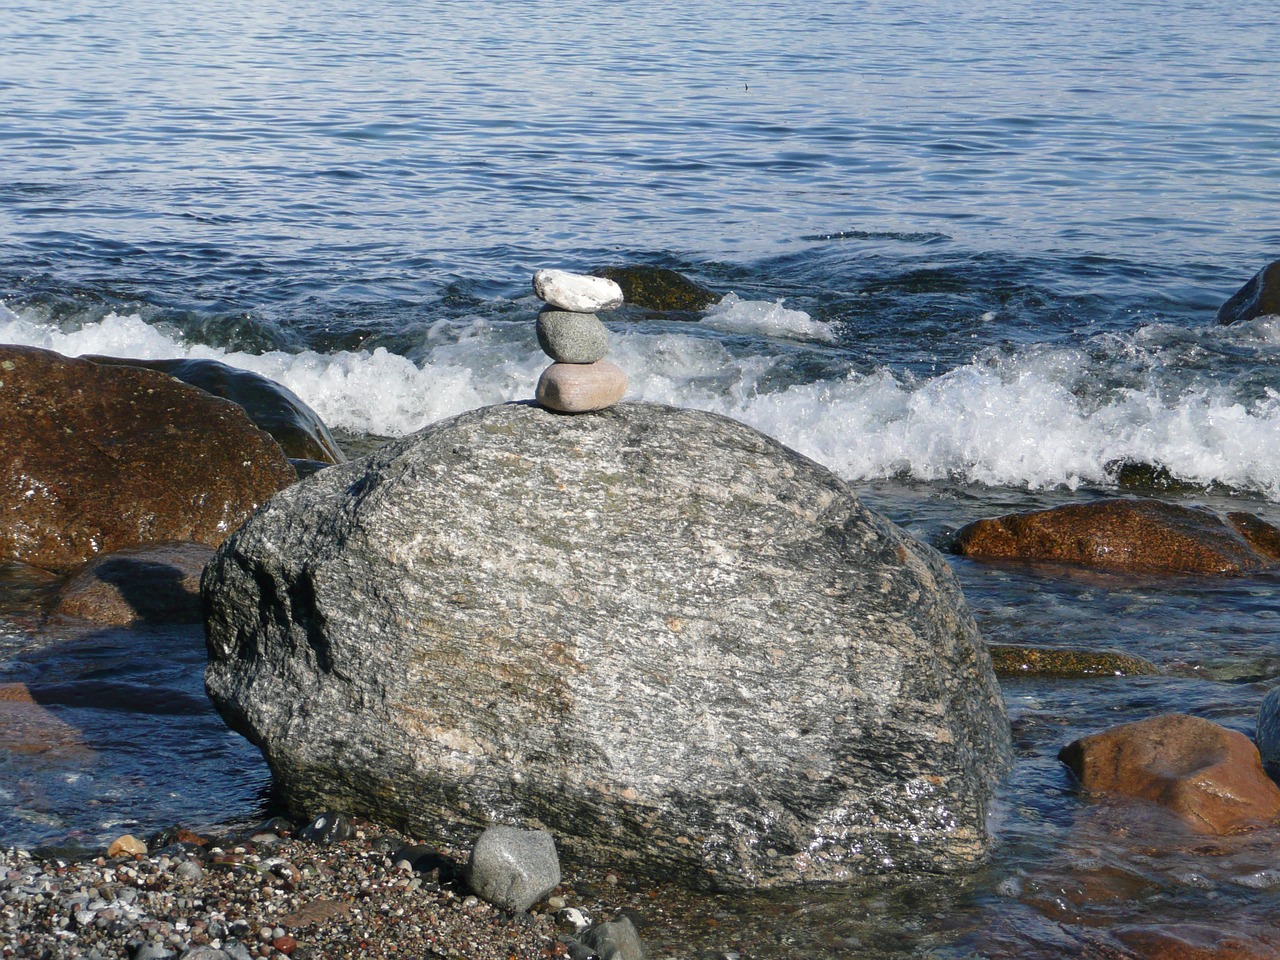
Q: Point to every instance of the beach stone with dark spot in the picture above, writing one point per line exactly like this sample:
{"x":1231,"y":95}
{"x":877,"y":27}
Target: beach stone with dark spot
{"x":660,"y":635}
{"x":1061,"y":663}
{"x":659,"y":288}
{"x":513,"y":868}
{"x":1146,"y":536}
{"x":327,"y":828}
{"x":101,"y":458}
{"x":1210,"y":776}
{"x":1259,"y":297}
{"x":572,"y":337}
{"x":159,"y":583}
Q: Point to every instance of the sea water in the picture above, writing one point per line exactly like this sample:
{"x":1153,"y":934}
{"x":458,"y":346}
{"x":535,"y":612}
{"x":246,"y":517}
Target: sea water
{"x":969,"y":257}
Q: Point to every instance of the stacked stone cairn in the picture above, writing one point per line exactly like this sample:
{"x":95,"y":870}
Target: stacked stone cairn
{"x":572,"y":335}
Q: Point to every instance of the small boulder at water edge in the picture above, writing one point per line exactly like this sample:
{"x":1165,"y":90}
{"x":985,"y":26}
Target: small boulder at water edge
{"x":99,"y":458}
{"x":1259,"y":297}
{"x":159,"y":583}
{"x":576,"y":292}
{"x":512,"y":868}
{"x":1140,"y":536}
{"x":581,"y":387}
{"x":1210,"y":776}
{"x":658,"y":288}
{"x":657,"y":633}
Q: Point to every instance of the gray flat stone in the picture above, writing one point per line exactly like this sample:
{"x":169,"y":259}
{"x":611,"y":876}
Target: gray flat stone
{"x":572,"y":337}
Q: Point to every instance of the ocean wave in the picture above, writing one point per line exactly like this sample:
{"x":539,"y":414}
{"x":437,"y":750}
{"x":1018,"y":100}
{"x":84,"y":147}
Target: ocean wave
{"x":1038,"y":416}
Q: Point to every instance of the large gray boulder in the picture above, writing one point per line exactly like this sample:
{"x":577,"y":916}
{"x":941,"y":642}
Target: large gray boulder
{"x":674,"y":643}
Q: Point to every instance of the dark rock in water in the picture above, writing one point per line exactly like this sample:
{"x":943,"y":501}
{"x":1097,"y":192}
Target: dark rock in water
{"x":513,"y":869}
{"x":1210,"y":776}
{"x":100,"y":458}
{"x":327,"y":828}
{"x":615,"y":940}
{"x":1061,"y":663}
{"x":159,"y":583}
{"x":1268,"y":733}
{"x":1259,"y":297}
{"x":1147,"y":478}
{"x":1134,"y":535}
{"x":657,"y":633}
{"x":305,"y":468}
{"x":272,"y":406}
{"x":657,"y":288}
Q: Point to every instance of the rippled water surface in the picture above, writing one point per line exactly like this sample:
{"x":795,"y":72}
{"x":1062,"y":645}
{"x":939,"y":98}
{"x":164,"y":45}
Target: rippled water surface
{"x":972,"y":253}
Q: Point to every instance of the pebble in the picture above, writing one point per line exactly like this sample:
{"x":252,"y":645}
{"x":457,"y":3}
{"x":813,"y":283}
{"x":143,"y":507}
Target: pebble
{"x":572,"y":337}
{"x":576,"y":292}
{"x":581,"y":387}
{"x":327,"y":828}
{"x":126,"y":846}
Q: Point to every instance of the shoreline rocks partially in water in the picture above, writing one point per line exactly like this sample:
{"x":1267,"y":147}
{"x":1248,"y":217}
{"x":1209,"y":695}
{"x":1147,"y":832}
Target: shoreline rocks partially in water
{"x":659,"y":634}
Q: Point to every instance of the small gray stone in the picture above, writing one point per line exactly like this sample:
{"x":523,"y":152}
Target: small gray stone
{"x":572,"y":337}
{"x":189,"y":870}
{"x":153,"y":951}
{"x":237,"y":951}
{"x":1268,"y":737}
{"x":575,"y":291}
{"x":616,"y":940}
{"x":203,"y":952}
{"x":513,"y":868}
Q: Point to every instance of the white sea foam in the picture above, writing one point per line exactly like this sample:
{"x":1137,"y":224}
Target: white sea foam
{"x":1037,"y":417}
{"x":735,"y":315}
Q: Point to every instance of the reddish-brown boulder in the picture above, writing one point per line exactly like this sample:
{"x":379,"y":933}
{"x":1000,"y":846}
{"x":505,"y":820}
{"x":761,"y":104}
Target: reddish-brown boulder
{"x":1146,"y":536}
{"x":1191,"y":941}
{"x":1210,"y":776}
{"x":95,"y":458}
{"x":152,"y":584}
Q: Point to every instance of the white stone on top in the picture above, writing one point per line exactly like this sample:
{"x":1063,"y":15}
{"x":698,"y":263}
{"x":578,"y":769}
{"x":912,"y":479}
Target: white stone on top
{"x":576,"y":292}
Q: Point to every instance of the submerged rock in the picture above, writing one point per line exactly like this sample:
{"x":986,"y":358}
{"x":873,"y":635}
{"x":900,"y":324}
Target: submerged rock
{"x":1268,"y":734}
{"x":1210,"y":776}
{"x":657,"y":288}
{"x":1061,"y":663}
{"x":273,"y":407}
{"x":1259,"y":297}
{"x":655,"y":632}
{"x":99,"y":458}
{"x":159,"y":583}
{"x":1125,"y":534}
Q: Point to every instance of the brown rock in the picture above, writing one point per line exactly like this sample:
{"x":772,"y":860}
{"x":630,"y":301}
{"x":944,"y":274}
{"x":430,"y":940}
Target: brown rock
{"x":1192,"y":941}
{"x":94,"y":459}
{"x":317,"y":911}
{"x":127,"y":846}
{"x":285,"y":944}
{"x":1147,"y":536}
{"x":152,"y":584}
{"x":1061,"y":663}
{"x":27,"y":727}
{"x":1210,"y":776}
{"x":1259,"y":297}
{"x":579,"y":387}
{"x":1261,"y":535}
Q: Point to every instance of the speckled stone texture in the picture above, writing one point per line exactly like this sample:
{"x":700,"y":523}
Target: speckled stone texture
{"x":1139,"y":535}
{"x":672,"y":642}
{"x":99,"y":458}
{"x":572,"y":337}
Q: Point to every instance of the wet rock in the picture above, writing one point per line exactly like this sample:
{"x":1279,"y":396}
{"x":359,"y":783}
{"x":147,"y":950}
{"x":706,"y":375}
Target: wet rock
{"x":1064,"y":664}
{"x":1146,"y":478}
{"x":572,"y":337}
{"x":513,"y":869}
{"x":1193,"y":941}
{"x":1260,"y":535}
{"x":273,"y":407}
{"x":1259,"y":297}
{"x":126,"y":846}
{"x":1210,"y":776}
{"x":1146,"y":536}
{"x":158,"y":583}
{"x":1268,"y":732}
{"x":655,"y":632}
{"x":327,"y":828}
{"x":581,"y":387}
{"x":27,"y":727}
{"x":615,"y":940}
{"x":657,"y":288}
{"x":100,"y":458}
{"x":576,"y":292}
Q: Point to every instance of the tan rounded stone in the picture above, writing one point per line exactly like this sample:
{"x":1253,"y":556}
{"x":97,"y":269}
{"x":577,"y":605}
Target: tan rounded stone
{"x":579,"y":387}
{"x":127,"y":846}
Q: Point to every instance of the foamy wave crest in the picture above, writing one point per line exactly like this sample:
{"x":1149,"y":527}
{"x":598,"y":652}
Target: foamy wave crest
{"x":1043,"y":416}
{"x":735,"y":315}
